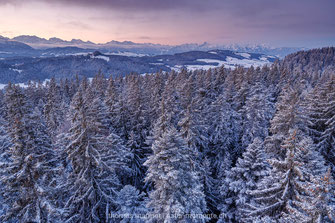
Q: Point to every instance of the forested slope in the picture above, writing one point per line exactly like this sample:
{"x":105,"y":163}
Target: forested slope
{"x":246,"y":145}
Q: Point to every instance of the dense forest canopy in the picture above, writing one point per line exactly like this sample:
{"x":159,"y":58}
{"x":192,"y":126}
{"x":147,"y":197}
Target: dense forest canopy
{"x":241,"y":145}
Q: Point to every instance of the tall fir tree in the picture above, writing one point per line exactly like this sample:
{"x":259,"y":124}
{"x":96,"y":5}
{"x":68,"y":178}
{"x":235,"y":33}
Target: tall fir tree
{"x":224,"y":133}
{"x":93,"y":182}
{"x":288,"y":116}
{"x":53,"y":111}
{"x":284,"y":192}
{"x":256,"y":113}
{"x":250,"y":169}
{"x":5,"y":145}
{"x":28,"y":171}
{"x":327,"y":137}
{"x":177,"y":191}
{"x":321,"y":207}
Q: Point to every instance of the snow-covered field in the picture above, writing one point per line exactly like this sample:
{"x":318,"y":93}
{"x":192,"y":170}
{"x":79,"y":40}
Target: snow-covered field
{"x":246,"y":55}
{"x":128,"y":54}
{"x":100,"y":57}
{"x":230,"y":62}
{"x":245,"y":62}
{"x":23,"y":85}
{"x":16,"y":70}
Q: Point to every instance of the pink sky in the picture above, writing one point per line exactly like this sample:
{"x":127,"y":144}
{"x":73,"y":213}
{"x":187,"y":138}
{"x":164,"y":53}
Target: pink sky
{"x":102,"y":25}
{"x":291,"y":22}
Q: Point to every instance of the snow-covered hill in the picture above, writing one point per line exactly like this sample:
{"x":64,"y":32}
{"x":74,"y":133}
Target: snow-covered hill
{"x":215,"y":58}
{"x":22,"y":69}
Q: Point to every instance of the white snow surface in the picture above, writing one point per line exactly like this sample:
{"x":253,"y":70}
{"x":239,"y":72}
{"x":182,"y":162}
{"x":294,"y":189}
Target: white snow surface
{"x":23,"y":85}
{"x":230,"y":62}
{"x":245,"y":55}
{"x":128,"y":54}
{"x":101,"y":57}
{"x":2,"y":86}
{"x":16,"y":70}
{"x":78,"y":54}
{"x":157,"y":63}
{"x":65,"y":54}
{"x":245,"y":62}
{"x":211,"y":61}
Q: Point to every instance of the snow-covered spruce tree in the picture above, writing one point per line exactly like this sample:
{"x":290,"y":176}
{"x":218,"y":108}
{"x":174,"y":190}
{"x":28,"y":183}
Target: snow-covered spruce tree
{"x":177,"y":191}
{"x":320,"y":109}
{"x":245,"y":176}
{"x":327,"y":138}
{"x":120,"y":156}
{"x":99,"y":85}
{"x":161,"y":124}
{"x":186,"y":88}
{"x":210,"y":185}
{"x":315,"y":106}
{"x":256,"y":114}
{"x":138,"y":130}
{"x":219,"y":79}
{"x":288,"y":116}
{"x":321,"y":207}
{"x":34,"y":93}
{"x":64,"y":89}
{"x":131,"y":205}
{"x":223,"y":131}
{"x":93,"y":182}
{"x":28,"y":171}
{"x":265,"y":219}
{"x":5,"y":140}
{"x":152,"y":91}
{"x":111,"y":101}
{"x":193,"y":129}
{"x":119,"y":115}
{"x":53,"y":110}
{"x":98,"y":113}
{"x":171,"y":99}
{"x":241,"y":89}
{"x":5,"y":144}
{"x":283,"y":193}
{"x":2,"y":104}
{"x":309,"y":155}
{"x":45,"y":154}
{"x":208,"y":91}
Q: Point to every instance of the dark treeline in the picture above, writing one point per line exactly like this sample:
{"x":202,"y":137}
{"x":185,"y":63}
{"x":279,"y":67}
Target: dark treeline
{"x":248,"y":145}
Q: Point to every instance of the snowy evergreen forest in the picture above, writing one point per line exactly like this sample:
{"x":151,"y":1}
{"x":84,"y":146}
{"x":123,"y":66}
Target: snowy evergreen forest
{"x":223,"y":145}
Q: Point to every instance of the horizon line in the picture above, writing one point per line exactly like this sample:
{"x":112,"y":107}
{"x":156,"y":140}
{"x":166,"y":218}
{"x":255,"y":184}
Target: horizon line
{"x":241,"y":44}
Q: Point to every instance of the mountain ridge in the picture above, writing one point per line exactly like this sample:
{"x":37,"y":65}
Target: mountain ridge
{"x":150,"y":48}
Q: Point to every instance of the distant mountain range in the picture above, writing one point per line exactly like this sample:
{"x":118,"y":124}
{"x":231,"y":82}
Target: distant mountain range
{"x":25,"y":58}
{"x":45,"y":47}
{"x":67,"y":65}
